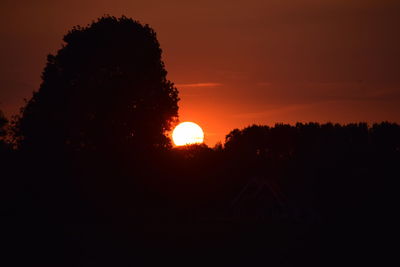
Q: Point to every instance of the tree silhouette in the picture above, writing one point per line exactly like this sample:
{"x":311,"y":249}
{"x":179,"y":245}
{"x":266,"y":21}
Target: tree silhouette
{"x":106,"y":88}
{"x":249,"y":142}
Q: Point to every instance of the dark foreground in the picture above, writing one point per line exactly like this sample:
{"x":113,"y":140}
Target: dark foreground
{"x":317,"y":202}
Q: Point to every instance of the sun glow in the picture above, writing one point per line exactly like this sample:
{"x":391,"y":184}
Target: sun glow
{"x":187,"y":133}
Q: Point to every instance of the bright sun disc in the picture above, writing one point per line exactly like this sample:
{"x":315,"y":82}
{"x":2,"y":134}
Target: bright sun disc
{"x":187,"y":133}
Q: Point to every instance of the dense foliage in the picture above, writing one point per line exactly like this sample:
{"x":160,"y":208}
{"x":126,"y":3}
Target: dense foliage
{"x":105,"y":89}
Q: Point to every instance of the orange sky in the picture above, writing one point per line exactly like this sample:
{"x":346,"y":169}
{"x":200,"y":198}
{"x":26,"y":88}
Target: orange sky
{"x":234,"y":62}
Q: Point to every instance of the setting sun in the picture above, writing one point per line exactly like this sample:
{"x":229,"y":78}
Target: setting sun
{"x":187,"y":133}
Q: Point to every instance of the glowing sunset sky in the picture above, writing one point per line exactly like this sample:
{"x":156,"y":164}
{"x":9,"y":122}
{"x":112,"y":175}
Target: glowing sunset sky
{"x":234,"y":62}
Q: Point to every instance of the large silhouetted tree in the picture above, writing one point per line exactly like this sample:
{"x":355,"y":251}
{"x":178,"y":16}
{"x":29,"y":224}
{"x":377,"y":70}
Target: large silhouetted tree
{"x":106,"y":88}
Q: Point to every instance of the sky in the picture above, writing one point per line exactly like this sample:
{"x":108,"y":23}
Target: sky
{"x":235,"y":62}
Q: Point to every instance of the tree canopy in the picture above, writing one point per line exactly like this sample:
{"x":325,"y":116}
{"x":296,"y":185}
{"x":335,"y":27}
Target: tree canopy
{"x":106,"y":88}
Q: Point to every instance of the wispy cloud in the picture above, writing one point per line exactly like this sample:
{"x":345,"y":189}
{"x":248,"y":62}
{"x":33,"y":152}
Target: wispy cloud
{"x":183,"y":85}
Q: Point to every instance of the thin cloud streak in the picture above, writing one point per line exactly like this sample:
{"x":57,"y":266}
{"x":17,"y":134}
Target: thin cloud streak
{"x":185,"y":85}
